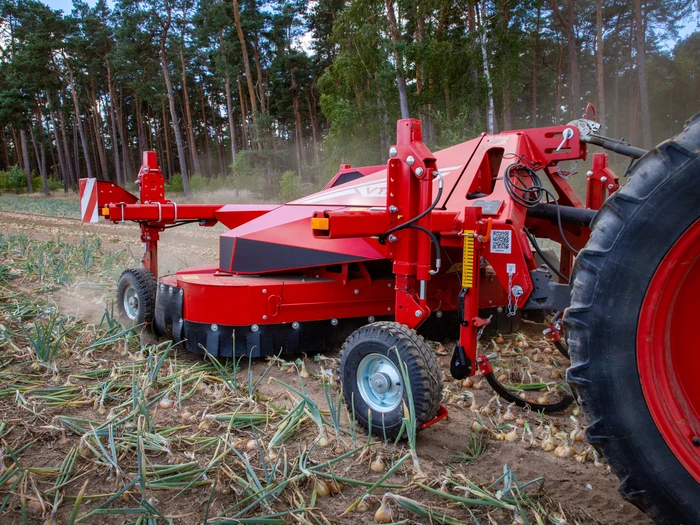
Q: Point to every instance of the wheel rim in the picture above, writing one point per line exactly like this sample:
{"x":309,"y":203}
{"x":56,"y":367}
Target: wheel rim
{"x":379,"y":383}
{"x":668,"y":352}
{"x":131,"y":303}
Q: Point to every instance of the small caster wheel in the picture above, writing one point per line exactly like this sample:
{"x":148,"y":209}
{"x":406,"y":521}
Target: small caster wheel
{"x":136,"y":297}
{"x":372,"y":382}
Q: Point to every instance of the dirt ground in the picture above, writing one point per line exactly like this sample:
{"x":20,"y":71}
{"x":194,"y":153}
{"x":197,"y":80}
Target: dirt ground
{"x":577,"y":489}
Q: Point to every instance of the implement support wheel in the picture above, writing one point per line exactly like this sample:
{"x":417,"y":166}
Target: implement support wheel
{"x":136,"y":297}
{"x":373,"y":383}
{"x":632,"y":334}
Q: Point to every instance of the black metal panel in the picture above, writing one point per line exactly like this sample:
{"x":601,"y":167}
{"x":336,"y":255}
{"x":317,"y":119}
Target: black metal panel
{"x":168,"y":314}
{"x":257,"y":256}
{"x":226,"y":252}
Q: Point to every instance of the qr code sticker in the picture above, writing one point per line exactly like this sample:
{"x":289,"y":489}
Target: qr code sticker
{"x":501,"y":241}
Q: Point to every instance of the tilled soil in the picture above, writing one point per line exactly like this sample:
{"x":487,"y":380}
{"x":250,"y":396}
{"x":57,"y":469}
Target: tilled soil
{"x":580,"y":485}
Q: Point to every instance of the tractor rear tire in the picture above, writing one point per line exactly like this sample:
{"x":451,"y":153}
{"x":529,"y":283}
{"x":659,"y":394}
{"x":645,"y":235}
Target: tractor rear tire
{"x":373,"y":383}
{"x":136,"y":297}
{"x":632,"y":334}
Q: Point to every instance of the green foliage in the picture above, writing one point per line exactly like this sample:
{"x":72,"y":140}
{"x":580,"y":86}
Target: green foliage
{"x":290,"y":186}
{"x":41,"y":205}
{"x":174,"y":184}
{"x":14,"y":179}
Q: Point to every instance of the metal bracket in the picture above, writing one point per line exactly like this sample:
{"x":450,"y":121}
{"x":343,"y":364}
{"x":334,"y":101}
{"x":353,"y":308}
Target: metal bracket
{"x":546,"y":293}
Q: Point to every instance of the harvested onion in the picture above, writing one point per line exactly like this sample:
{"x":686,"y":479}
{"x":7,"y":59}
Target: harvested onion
{"x":321,"y":488}
{"x":377,"y":465}
{"x":564,"y":451}
{"x":384,"y":513}
{"x":166,"y":403}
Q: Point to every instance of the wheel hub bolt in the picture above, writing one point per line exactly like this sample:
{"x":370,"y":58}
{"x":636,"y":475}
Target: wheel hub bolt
{"x":380,"y":383}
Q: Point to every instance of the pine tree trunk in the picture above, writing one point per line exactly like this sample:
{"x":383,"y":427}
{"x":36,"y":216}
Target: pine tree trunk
{"x":229,"y":101}
{"x":206,"y":128}
{"x":73,"y":181}
{"x":600,"y":73}
{"x":114,"y":126}
{"x":314,"y":125}
{"x":79,"y":122}
{"x":400,"y":78}
{"x":173,"y":110}
{"x":244,"y":115}
{"x":65,"y":177}
{"x":574,"y":73}
{"x":491,"y":109}
{"x":25,"y":158}
{"x":188,"y":115}
{"x":246,"y":61}
{"x":297,"y":120}
{"x":168,"y":147}
{"x":99,"y":138}
{"x":642,"y":73}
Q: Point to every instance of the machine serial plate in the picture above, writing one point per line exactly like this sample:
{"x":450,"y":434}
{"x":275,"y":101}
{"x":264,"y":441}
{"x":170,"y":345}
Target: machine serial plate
{"x":489,"y":207}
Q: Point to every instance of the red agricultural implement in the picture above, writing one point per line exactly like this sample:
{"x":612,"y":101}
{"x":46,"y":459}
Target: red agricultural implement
{"x":448,"y":241}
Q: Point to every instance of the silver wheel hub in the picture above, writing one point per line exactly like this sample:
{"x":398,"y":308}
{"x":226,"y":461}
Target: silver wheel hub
{"x":131,"y":303}
{"x":379,"y":383}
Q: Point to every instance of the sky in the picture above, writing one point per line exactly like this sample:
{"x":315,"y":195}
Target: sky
{"x":67,"y":5}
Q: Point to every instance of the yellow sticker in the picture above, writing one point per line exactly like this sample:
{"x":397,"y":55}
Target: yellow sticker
{"x":468,"y":260}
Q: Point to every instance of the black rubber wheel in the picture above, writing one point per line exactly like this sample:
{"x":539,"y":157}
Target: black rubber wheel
{"x":136,"y":297}
{"x":631,"y":235}
{"x":371,"y":377}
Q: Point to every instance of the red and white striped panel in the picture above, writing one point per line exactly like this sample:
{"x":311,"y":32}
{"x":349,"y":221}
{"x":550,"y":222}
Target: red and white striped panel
{"x":88,"y":199}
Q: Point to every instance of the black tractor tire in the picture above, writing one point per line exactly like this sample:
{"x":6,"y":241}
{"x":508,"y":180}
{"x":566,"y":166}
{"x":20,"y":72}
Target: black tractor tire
{"x":631,"y":235}
{"x":139,"y":285}
{"x":385,"y":339}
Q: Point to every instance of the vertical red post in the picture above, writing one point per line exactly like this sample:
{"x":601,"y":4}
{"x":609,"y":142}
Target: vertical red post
{"x":152,"y":188}
{"x":410,"y":173}
{"x":469,"y":320}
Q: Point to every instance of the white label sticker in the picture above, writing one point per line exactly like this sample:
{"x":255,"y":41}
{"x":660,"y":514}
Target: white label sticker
{"x":501,"y":241}
{"x":510,"y":269}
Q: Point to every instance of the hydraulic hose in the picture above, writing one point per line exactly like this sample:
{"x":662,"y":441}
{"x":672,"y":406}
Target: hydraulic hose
{"x":614,"y":145}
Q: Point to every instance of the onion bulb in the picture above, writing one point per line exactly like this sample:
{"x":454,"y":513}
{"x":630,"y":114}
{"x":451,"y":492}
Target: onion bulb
{"x":479,"y":385}
{"x":520,"y":421}
{"x":377,"y":465}
{"x":508,"y":416}
{"x":322,"y":441}
{"x":487,"y":410}
{"x":502,"y":378}
{"x":34,"y":506}
{"x":335,"y":486}
{"x":474,"y":407}
{"x":543,"y":399}
{"x":512,"y":436}
{"x":251,"y":444}
{"x":363,"y":505}
{"x":467,"y":383}
{"x":166,"y":403}
{"x":500,"y":340}
{"x":384,"y":513}
{"x":548,"y":445}
{"x":564,"y":451}
{"x":478,"y":427}
{"x":321,"y":488}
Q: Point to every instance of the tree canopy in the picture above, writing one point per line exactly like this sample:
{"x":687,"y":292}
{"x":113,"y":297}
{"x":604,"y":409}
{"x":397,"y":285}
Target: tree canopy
{"x":222,"y":87}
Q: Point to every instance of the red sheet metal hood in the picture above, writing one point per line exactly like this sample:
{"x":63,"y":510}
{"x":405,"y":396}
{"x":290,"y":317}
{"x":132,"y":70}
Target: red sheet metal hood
{"x":282,"y":238}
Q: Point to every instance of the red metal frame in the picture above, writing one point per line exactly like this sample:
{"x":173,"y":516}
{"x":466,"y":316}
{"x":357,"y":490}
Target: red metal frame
{"x":277,"y":269}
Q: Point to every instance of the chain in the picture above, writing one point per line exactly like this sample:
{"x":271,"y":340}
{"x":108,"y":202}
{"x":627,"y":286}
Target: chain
{"x":512,"y":305}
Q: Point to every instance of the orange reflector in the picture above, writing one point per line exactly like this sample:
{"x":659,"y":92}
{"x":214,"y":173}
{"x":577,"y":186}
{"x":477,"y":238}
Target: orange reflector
{"x":104,"y":211}
{"x":320,"y":223}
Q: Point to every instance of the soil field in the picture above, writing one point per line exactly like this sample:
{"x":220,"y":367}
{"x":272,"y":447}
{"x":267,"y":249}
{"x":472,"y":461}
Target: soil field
{"x":99,"y":424}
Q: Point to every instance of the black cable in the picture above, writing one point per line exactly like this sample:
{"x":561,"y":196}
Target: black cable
{"x":551,"y":266}
{"x":383,"y":236}
{"x":532,"y":194}
{"x":432,"y":236}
